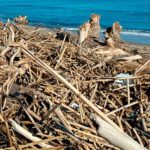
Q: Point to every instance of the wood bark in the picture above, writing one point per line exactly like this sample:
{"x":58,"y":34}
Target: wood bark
{"x":90,"y":29}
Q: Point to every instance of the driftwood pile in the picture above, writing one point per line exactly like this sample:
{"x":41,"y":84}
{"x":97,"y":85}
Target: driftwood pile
{"x":59,"y":95}
{"x":21,"y":20}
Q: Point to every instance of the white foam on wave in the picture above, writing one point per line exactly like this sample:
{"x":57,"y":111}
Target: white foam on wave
{"x":136,"y":32}
{"x":70,"y":28}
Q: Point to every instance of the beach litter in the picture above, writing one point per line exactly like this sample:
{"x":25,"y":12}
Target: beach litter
{"x":58,"y":94}
{"x":123,"y":79}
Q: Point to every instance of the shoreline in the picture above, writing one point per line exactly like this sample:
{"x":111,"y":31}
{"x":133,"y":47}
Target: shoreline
{"x":132,"y":48}
{"x":53,"y":29}
{"x":133,"y":36}
{"x":45,"y":30}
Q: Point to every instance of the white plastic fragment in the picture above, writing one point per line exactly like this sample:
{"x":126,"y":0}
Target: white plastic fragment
{"x":123,"y":82}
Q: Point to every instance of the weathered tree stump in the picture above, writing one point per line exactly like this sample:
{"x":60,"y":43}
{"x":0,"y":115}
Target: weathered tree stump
{"x":112,"y":35}
{"x":94,"y":26}
{"x":91,"y":29}
{"x":84,"y":32}
{"x":117,"y":28}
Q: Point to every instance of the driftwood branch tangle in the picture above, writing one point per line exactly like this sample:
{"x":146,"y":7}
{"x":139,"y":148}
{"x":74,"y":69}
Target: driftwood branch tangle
{"x":65,"y":82}
{"x":42,"y":80}
{"x":109,"y":129}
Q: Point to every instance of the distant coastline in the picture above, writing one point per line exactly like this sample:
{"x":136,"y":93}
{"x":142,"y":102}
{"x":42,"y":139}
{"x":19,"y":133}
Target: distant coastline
{"x":133,"y":15}
{"x":131,"y":36}
{"x":45,"y":30}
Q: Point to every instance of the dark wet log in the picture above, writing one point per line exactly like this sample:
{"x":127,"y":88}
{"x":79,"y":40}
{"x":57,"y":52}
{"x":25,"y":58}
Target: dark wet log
{"x":67,"y":36}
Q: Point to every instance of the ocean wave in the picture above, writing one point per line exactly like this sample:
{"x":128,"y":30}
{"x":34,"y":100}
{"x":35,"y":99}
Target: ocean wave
{"x":136,"y":32}
{"x":124,"y":32}
{"x":69,"y":28}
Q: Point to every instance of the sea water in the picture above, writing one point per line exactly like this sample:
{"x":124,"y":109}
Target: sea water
{"x":133,"y":15}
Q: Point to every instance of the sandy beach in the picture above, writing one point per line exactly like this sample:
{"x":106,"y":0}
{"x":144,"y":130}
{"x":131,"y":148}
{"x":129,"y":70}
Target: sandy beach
{"x":132,"y":48}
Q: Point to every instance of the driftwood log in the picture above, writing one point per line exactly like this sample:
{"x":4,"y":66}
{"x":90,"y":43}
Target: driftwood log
{"x":119,"y":139}
{"x":27,"y":134}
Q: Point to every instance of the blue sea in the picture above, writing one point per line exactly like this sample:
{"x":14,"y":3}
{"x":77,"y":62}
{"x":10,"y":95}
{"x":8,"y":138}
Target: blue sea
{"x":133,"y":15}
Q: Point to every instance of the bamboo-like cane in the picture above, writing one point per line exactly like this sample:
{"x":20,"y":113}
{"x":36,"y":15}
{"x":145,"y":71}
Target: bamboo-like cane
{"x":66,"y":83}
{"x":27,"y":134}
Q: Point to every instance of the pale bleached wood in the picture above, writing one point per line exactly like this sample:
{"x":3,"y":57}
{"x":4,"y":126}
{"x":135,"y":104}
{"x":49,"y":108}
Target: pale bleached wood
{"x":119,"y":139}
{"x":90,"y":29}
{"x":130,"y":58}
{"x":82,"y":31}
{"x":94,"y":31}
{"x":113,"y":52}
{"x":27,"y":134}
